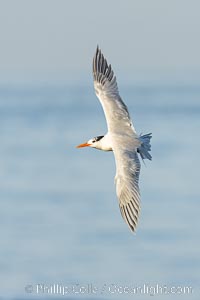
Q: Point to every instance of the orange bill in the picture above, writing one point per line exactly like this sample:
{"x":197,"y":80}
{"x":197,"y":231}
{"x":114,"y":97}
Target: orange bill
{"x":83,"y":145}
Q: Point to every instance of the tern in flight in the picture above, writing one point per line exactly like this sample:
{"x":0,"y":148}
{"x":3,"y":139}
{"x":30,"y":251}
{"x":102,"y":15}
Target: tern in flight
{"x":121,"y":138}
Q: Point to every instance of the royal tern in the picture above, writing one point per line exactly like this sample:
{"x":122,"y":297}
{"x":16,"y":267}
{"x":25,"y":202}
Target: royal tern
{"x":121,"y":138}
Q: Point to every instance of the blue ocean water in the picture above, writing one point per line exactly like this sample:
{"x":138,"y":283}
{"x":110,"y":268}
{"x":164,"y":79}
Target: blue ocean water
{"x":60,"y":225}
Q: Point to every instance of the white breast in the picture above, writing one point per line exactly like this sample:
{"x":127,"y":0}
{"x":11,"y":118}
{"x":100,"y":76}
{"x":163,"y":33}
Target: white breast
{"x":105,"y":143}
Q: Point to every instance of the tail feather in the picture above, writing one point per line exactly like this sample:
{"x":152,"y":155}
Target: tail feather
{"x":145,"y":146}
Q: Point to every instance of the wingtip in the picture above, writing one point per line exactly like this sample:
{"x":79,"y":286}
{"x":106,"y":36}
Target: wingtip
{"x":97,"y":49}
{"x":102,"y":72}
{"x":97,"y":53}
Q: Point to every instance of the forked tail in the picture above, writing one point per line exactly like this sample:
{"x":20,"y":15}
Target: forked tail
{"x":145,"y":146}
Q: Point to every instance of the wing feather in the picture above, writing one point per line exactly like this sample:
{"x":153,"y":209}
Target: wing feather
{"x":126,"y":180}
{"x":106,"y":89}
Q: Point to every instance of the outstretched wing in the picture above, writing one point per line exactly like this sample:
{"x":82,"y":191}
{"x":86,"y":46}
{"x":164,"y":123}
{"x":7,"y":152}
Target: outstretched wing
{"x":127,"y":188}
{"x":106,"y":89}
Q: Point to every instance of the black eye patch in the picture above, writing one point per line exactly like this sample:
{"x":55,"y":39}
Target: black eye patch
{"x":98,"y":138}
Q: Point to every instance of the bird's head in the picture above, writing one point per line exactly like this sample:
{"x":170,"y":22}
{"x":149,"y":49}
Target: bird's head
{"x":94,"y":143}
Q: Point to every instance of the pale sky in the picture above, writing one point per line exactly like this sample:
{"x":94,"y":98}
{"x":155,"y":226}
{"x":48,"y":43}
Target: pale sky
{"x":53,"y":37}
